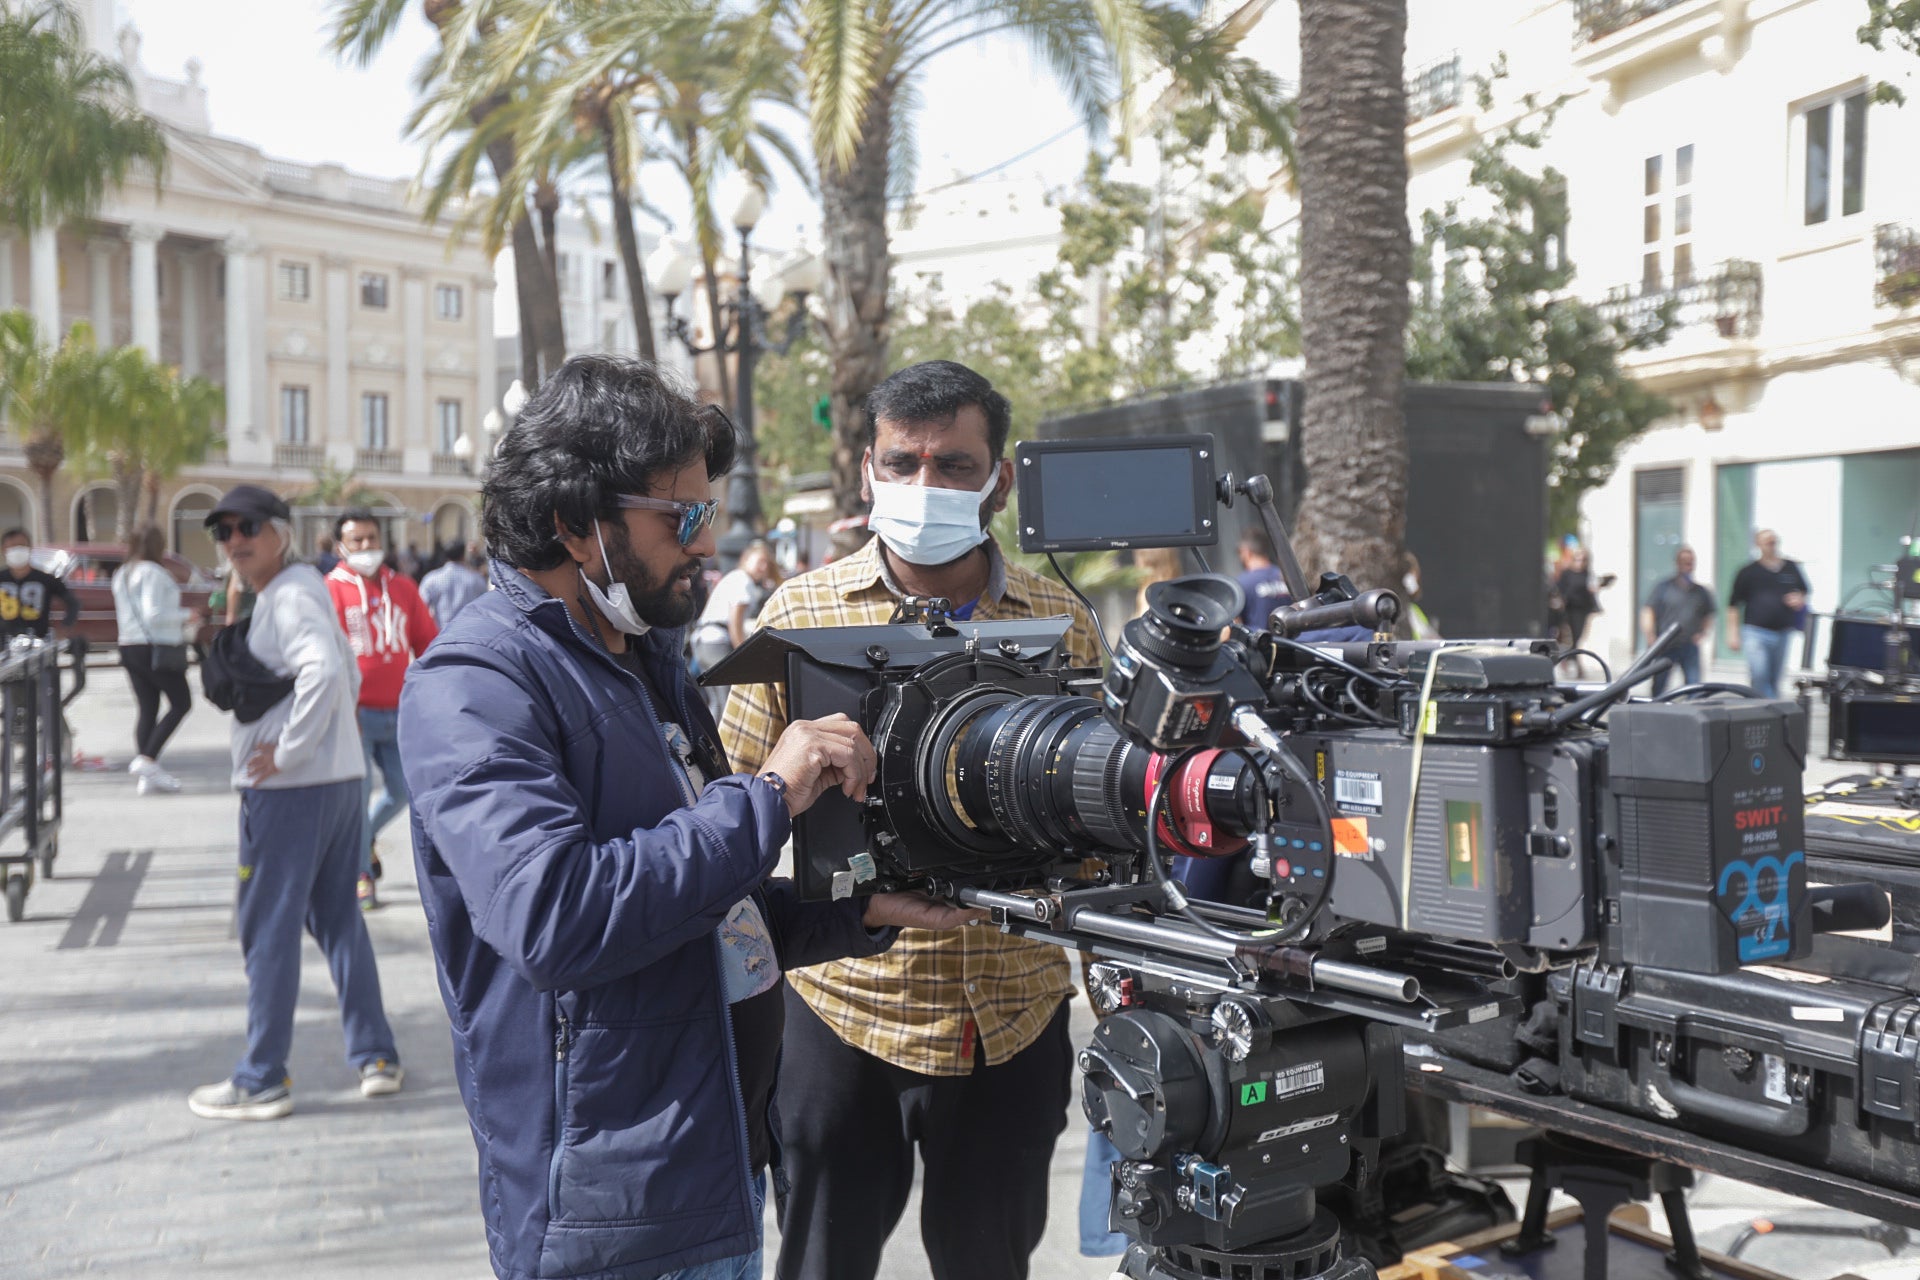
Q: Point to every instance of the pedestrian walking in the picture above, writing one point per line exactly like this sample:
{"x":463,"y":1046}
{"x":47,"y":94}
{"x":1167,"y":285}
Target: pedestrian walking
{"x":1765,"y":610}
{"x":595,"y":873}
{"x":388,"y":626}
{"x":153,"y":633}
{"x":455,"y":584}
{"x":729,"y":614}
{"x":298,"y":767}
{"x":27,"y":594}
{"x":1686,"y":601}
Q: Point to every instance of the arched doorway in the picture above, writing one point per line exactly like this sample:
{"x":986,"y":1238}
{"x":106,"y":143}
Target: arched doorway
{"x":96,"y":514}
{"x":16,"y":507}
{"x":452,"y":526}
{"x":188,"y":532}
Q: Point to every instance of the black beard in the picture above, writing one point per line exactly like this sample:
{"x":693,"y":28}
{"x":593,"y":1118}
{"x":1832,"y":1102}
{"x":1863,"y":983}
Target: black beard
{"x":654,"y":600}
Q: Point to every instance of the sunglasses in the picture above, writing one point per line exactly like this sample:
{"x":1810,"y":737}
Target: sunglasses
{"x":246,"y":527}
{"x":694,"y":516}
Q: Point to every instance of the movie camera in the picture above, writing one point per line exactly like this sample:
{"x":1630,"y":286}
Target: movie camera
{"x":1429,"y":839}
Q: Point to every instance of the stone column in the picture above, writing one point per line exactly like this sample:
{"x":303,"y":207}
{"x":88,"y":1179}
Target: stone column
{"x":145,"y":239}
{"x":488,"y":362}
{"x":239,"y":326}
{"x":43,"y":282}
{"x":414,"y":430}
{"x":339,"y":421}
{"x":193,"y":267}
{"x":100,"y":286}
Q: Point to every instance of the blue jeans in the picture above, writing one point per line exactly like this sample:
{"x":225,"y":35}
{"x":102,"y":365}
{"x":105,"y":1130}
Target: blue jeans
{"x":1766,"y":652}
{"x":299,"y":857}
{"x":1686,"y":656}
{"x":1096,"y":1196}
{"x":380,"y":737}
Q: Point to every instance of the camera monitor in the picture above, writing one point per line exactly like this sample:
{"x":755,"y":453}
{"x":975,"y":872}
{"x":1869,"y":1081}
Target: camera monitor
{"x":1112,"y":495}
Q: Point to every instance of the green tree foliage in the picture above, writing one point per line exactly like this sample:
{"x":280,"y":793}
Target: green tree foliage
{"x":1494,"y":303}
{"x":69,"y":129}
{"x":1897,"y":21}
{"x":53,"y":398}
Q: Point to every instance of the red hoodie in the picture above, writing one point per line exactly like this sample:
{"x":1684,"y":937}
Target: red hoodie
{"x":388,"y":625}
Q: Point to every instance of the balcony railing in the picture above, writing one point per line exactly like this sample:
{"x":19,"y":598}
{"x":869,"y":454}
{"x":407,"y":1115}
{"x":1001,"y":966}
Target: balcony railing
{"x":1434,"y":88}
{"x":308,"y":456}
{"x":1598,"y":19}
{"x":377,"y":460}
{"x":445,"y":464}
{"x":1896,"y":260}
{"x":1726,"y":298}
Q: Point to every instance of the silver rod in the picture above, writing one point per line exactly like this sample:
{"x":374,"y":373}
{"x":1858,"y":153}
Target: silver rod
{"x":1364,"y":980}
{"x":1039,"y":910}
{"x":1148,"y":933}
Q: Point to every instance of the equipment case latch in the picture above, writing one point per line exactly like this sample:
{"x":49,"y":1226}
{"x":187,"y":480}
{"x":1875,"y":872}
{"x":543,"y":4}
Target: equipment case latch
{"x":1597,"y":989}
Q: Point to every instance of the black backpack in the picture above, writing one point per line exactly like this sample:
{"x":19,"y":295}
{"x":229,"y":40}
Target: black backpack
{"x":235,"y":680}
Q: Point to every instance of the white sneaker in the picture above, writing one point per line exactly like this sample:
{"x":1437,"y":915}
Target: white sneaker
{"x":156,"y":779}
{"x":140,"y":766}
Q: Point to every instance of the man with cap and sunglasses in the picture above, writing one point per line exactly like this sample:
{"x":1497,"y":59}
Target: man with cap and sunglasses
{"x":298,"y":767}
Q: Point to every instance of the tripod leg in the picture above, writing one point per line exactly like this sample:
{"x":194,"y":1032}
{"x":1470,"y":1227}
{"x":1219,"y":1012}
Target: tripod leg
{"x":1685,"y":1258}
{"x":1533,"y":1235}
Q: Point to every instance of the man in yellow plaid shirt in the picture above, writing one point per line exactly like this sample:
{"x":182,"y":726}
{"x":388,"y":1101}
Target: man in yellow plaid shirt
{"x":955,"y":1042}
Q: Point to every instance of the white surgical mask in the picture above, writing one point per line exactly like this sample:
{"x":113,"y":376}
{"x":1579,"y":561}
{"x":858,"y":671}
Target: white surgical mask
{"x":923,"y":524}
{"x":19,"y":557}
{"x":614,"y":603}
{"x":365,"y":563}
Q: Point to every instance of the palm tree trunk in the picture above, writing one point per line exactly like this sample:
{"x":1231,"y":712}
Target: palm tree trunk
{"x":152,"y":481}
{"x":853,"y":207}
{"x":46,"y":505}
{"x":717,"y":320}
{"x":543,"y":342}
{"x":546,"y":203}
{"x":629,"y":250}
{"x":1355,"y":257}
{"x":126,"y":492}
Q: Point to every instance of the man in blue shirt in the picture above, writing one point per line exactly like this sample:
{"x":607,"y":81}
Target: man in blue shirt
{"x":1265,"y":589}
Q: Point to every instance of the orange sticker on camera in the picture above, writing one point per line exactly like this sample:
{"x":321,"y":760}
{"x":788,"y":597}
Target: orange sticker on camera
{"x":1350,"y":838}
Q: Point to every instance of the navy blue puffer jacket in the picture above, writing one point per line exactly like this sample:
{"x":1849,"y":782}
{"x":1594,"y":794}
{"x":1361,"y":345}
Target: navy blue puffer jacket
{"x":572,"y":895}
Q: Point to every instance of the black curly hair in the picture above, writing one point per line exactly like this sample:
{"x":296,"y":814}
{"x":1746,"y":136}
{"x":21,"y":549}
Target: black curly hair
{"x":598,"y":427}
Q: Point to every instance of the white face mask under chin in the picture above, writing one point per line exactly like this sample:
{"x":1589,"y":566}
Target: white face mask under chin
{"x":615,"y":603}
{"x":926,"y":525}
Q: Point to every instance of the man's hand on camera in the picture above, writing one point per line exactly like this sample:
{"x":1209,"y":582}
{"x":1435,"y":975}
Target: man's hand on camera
{"x":814,"y":755}
{"x":917,"y":911}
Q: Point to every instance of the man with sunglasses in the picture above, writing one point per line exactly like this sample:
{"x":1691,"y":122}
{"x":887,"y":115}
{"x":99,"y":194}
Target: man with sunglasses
{"x":298,"y":767}
{"x":594,"y":873}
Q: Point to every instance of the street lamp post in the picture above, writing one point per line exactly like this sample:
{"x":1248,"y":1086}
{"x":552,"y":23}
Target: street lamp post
{"x":743,"y":335}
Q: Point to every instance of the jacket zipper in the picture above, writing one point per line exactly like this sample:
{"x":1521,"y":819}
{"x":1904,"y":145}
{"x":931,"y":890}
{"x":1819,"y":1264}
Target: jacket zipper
{"x":562,"y":1038}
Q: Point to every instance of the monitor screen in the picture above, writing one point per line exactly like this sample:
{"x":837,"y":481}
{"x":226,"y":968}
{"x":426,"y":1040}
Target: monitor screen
{"x":1116,"y":494}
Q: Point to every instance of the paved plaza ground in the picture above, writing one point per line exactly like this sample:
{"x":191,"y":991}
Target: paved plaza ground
{"x":123,"y":989}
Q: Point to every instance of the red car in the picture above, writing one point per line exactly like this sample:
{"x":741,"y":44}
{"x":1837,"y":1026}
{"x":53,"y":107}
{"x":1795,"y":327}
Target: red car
{"x":87,"y":569}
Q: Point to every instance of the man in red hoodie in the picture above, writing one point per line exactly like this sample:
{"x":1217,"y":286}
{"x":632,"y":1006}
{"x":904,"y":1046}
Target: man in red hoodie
{"x":388,"y":625}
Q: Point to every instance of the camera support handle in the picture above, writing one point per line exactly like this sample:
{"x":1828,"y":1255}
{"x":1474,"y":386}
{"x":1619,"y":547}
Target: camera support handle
{"x":1258,"y":490}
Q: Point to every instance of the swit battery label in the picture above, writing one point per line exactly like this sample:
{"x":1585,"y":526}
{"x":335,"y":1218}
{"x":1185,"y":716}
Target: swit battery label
{"x":1755,"y":894}
{"x":1359,"y":791}
{"x":1298,"y":1127}
{"x":1776,"y":1086}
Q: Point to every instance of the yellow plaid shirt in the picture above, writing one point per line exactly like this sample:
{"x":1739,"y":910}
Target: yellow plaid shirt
{"x":937,"y":1001}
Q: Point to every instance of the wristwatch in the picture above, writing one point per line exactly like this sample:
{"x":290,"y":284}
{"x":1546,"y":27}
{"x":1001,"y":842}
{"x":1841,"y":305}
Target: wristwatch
{"x":778,"y":783}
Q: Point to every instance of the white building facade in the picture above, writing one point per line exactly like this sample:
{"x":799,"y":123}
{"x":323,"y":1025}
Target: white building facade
{"x":1726,"y":155}
{"x":345,"y":332}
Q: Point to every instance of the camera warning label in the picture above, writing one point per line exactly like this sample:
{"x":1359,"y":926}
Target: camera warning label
{"x":1350,"y":838}
{"x":1359,"y":791}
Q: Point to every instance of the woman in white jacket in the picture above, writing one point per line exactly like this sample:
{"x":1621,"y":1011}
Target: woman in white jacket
{"x":153,"y":644}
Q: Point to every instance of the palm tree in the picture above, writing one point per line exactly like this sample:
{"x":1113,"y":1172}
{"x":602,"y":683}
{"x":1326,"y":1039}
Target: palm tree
{"x":1355,"y":255}
{"x":154,"y":422}
{"x":70,"y":130}
{"x":52,"y":397}
{"x":192,"y":407}
{"x":861,"y":60}
{"x":361,"y":29}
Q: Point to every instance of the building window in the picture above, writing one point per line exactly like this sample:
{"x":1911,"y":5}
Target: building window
{"x":373,"y":420}
{"x":293,"y":415}
{"x":294,"y":278}
{"x":446,"y":301}
{"x":373,"y":290}
{"x":1833,"y":158}
{"x":447,"y":419}
{"x":1666,"y":220}
{"x":609,"y":281}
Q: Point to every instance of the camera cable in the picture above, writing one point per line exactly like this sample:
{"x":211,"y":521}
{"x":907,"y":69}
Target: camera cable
{"x":1092,"y":612}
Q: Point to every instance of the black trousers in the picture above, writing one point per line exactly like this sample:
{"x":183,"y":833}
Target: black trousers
{"x":850,"y":1122}
{"x":151,"y":730}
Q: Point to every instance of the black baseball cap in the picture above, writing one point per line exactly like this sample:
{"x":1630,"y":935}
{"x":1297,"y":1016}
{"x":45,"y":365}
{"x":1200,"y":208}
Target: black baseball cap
{"x":250,"y":500}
